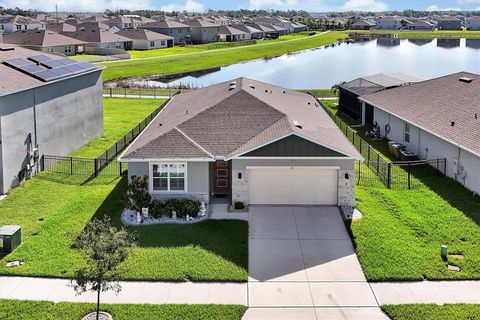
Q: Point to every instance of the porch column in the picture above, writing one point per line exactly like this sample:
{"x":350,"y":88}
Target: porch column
{"x":363,"y":113}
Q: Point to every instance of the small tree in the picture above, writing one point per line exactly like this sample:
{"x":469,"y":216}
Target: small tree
{"x":138,"y":193}
{"x":105,"y":247}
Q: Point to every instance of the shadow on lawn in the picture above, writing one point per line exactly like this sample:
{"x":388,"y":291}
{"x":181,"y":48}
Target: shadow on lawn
{"x":225,"y":238}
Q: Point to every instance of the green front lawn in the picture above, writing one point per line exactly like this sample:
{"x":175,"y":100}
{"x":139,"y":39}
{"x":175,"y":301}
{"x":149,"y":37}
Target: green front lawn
{"x":53,"y":213}
{"x":433,"y":312}
{"x":188,"y":62}
{"x":119,"y":116}
{"x":42,"y":310}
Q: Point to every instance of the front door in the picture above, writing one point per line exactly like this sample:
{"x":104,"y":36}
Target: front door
{"x":221,"y":177}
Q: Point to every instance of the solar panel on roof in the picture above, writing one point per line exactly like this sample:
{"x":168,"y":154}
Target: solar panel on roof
{"x":46,"y":75}
{"x":18,"y":62}
{"x":41,"y":58}
{"x":52,"y":64}
{"x":32,"y":68}
{"x":66,"y":61}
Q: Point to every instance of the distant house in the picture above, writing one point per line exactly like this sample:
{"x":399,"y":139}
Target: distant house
{"x":449,"y":23}
{"x":203,"y":31}
{"x":389,"y":23}
{"x":363,"y":24}
{"x":123,"y":22}
{"x":437,"y":118}
{"x":46,"y":41}
{"x":245,"y":141}
{"x":254,"y":33}
{"x":60,"y":27}
{"x":281,"y":24}
{"x":268,"y":32}
{"x":46,"y":108}
{"x":9,"y":24}
{"x":94,"y":35}
{"x":296,"y":27}
{"x":230,"y":34}
{"x":350,"y":92}
{"x":143,"y":39}
{"x":419,"y":25}
{"x":180,"y":31}
{"x":473,"y":23}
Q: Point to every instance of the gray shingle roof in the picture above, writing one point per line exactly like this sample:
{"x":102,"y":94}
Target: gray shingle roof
{"x":226,"y":123}
{"x":434,"y":104}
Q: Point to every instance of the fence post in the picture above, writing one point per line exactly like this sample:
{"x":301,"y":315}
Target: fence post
{"x":95,"y":169}
{"x":42,"y":163}
{"x":378,"y":163}
{"x":121,"y":171}
{"x":389,"y":175}
{"x":368,"y":153}
{"x":71,"y":165}
{"x":409,"y":170}
{"x":111,"y":92}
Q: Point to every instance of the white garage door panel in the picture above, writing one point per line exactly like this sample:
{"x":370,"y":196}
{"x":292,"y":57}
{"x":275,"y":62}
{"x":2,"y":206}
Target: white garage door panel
{"x":300,"y":185}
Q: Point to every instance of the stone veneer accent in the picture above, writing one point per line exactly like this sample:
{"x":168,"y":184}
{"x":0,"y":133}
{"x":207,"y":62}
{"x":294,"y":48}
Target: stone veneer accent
{"x":240,"y":186}
{"x":346,"y":195}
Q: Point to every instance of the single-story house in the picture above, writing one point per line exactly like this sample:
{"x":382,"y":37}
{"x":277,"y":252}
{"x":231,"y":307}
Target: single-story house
{"x":49,"y":105}
{"x":94,"y":35}
{"x":231,"y":34}
{"x":389,"y":23}
{"x":419,"y":25}
{"x":449,"y":23}
{"x":123,"y":22}
{"x":268,"y":32}
{"x":46,"y":41}
{"x":363,"y":24}
{"x":143,"y":39}
{"x":9,"y":24}
{"x":473,"y":23}
{"x":249,"y":142}
{"x":437,"y":118}
{"x":254,"y":33}
{"x":180,"y":31}
{"x":349,"y":92}
{"x":203,"y":31}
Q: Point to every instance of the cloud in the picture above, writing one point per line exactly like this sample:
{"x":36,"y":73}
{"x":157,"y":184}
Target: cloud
{"x":365,"y":5}
{"x":79,"y":5}
{"x":189,"y":6}
{"x":434,"y":7}
{"x":272,"y":4}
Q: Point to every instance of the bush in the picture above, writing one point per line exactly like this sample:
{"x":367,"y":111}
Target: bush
{"x":157,"y":209}
{"x":182,"y":207}
{"x":138,"y":193}
{"x":239,"y":205}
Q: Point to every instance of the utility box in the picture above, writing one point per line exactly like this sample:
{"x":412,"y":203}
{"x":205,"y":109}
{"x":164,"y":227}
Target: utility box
{"x":10,"y":238}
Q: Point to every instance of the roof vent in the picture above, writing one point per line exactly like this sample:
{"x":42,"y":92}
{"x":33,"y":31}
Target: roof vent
{"x":453,"y":123}
{"x":7,"y":48}
{"x":232,"y":86}
{"x":466,"y":79}
{"x":297,"y":124}
{"x":252,"y":86}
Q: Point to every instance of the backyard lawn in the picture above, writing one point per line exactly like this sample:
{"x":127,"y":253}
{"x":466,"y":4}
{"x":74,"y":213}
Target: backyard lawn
{"x":42,"y":310}
{"x":401,"y":232}
{"x":196,"y":61}
{"x":433,"y":312}
{"x":120,"y":116}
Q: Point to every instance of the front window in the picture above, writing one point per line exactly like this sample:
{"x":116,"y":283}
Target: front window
{"x":406,"y":135}
{"x":68,"y":49}
{"x":49,"y":49}
{"x":179,"y":30}
{"x":19,"y":27}
{"x":167,"y":177}
{"x":152,"y":43}
{"x":118,"y":45}
{"x":162,"y":43}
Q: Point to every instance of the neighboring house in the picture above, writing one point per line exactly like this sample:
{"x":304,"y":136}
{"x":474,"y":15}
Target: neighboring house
{"x":254,"y":33}
{"x":123,"y":22}
{"x":389,"y":23}
{"x":279,"y":23}
{"x":449,"y":23}
{"x":473,"y":23}
{"x":419,"y":25}
{"x":61,"y":27}
{"x":46,"y":41}
{"x":180,"y":31}
{"x":363,"y":24}
{"x":296,"y":27}
{"x":245,"y":141}
{"x":281,"y":31}
{"x":349,"y":93}
{"x":143,"y":39}
{"x":44,"y":110}
{"x":437,"y":118}
{"x":203,"y":31}
{"x":268,"y":32}
{"x":9,"y":24}
{"x":94,"y":35}
{"x":230,"y":34}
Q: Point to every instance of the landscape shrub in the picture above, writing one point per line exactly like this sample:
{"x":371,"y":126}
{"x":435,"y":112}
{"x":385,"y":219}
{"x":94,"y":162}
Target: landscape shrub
{"x":157,"y":209}
{"x":182,"y":207}
{"x":138,"y":193}
{"x":239,"y":205}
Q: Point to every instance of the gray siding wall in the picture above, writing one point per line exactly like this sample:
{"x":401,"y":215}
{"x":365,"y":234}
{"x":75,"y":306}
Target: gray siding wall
{"x":204,"y":35}
{"x":178,"y":33}
{"x":69,"y":114}
{"x":344,"y":164}
{"x":198,"y":185}
{"x":429,"y":146}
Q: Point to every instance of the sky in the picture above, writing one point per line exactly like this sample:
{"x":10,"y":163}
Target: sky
{"x":203,"y":5}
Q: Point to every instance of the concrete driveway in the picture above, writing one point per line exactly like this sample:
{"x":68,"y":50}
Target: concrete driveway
{"x":302,"y":265}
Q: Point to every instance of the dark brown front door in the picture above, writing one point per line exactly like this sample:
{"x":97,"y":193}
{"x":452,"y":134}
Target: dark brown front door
{"x":221,"y":177}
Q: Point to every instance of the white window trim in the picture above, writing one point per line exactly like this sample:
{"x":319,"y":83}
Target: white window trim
{"x":150,"y":178}
{"x":405,"y":132}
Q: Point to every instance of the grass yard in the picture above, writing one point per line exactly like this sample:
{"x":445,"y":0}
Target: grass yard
{"x":433,"y":312}
{"x":407,"y":34}
{"x":42,"y":310}
{"x":180,"y":63}
{"x":401,"y":232}
{"x":52,"y":214}
{"x":120,"y":116}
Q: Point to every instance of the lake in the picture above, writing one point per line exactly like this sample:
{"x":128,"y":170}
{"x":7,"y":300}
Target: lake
{"x":326,"y":66}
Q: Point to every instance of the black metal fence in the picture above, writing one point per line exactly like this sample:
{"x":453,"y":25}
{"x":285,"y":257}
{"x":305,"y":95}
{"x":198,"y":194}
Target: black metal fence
{"x":377,"y":171}
{"x":142,"y":92}
{"x":74,"y":166}
{"x":222,"y":45}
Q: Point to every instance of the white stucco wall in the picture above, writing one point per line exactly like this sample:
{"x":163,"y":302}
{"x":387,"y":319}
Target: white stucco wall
{"x":429,"y":146}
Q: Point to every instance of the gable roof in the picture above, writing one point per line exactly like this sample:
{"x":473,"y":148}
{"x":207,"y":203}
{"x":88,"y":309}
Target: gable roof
{"x":95,"y":32}
{"x":231,"y":118}
{"x":39,"y":38}
{"x":165,"y":24}
{"x":143,"y":34}
{"x":434,"y":104}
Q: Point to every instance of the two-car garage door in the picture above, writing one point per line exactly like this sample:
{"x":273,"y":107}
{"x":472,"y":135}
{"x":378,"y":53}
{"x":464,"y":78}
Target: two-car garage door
{"x":293,"y":185}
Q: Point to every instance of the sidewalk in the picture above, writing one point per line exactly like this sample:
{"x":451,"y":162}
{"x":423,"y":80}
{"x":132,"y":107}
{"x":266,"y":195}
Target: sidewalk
{"x":58,"y":290}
